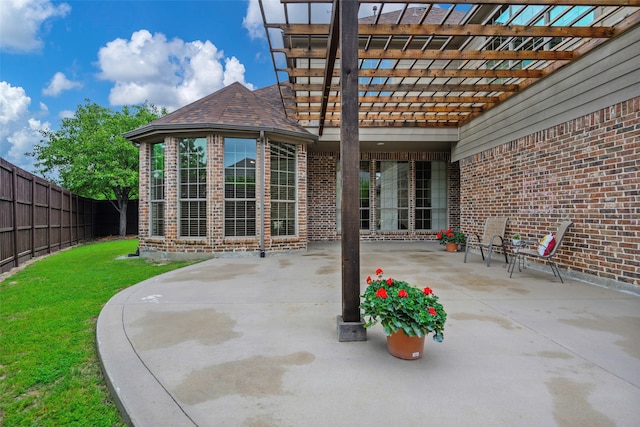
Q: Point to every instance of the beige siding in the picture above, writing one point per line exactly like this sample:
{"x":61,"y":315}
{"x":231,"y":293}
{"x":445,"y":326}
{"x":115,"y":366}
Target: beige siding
{"x":606,"y":76}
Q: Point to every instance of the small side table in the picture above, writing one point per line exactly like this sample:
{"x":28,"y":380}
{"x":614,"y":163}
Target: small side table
{"x":515,"y":256}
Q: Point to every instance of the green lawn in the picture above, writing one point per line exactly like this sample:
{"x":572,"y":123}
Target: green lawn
{"x":49,"y":369}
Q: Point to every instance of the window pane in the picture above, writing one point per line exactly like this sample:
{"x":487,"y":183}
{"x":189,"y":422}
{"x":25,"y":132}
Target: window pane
{"x":365,"y":194}
{"x":283,"y":189}
{"x":156,"y":205}
{"x":431,"y":195}
{"x":240,"y":187}
{"x":392,"y":195}
{"x":192,"y":187}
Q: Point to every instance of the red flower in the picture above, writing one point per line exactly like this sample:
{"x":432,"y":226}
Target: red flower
{"x":369,"y":280}
{"x":379,"y":272}
{"x":439,"y":235}
{"x":402,"y":293}
{"x":382,"y":293}
{"x":432,"y":311}
{"x":390,"y":281}
{"x":427,"y":291}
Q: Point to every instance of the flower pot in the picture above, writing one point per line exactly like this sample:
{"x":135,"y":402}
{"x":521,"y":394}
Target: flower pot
{"x":405,"y":347}
{"x":451,"y":247}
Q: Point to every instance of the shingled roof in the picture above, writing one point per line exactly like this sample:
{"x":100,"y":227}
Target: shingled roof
{"x":233,"y":107}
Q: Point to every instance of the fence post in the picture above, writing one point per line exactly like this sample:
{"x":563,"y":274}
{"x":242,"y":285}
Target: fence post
{"x":49,"y":217}
{"x":14,"y":179}
{"x":33,"y":216}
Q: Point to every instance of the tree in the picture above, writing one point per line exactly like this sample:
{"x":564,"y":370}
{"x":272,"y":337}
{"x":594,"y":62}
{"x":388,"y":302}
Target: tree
{"x":89,"y":156}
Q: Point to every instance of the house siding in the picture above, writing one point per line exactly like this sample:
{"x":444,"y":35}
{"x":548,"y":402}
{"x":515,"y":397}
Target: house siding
{"x":585,"y":170}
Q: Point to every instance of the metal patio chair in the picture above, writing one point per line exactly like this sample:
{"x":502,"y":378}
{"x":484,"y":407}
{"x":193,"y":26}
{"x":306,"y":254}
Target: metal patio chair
{"x":563,"y":227}
{"x":492,"y":237}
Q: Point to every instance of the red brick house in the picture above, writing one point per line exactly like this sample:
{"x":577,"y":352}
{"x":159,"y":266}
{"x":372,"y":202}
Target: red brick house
{"x":256,"y":172}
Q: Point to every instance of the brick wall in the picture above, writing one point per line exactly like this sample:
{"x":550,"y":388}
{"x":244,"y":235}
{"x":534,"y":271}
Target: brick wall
{"x":586,"y":170}
{"x":322,"y":196}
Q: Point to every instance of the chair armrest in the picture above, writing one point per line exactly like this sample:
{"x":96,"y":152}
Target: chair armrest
{"x":468,"y":238}
{"x":497,"y":237}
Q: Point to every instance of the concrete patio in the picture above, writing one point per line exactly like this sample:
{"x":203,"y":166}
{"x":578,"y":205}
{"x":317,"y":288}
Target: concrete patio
{"x":253,"y":342}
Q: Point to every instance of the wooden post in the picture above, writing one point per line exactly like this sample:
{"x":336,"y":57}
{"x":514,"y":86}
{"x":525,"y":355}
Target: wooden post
{"x":349,"y":166}
{"x":14,"y":182}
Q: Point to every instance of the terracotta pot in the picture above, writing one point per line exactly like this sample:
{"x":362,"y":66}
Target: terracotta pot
{"x":451,"y":247}
{"x":405,"y":347}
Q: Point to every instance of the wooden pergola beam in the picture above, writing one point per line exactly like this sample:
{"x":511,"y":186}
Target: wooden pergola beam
{"x":394,"y":123}
{"x":330,"y":61}
{"x":433,"y":54}
{"x":422,"y":72}
{"x":397,"y":99}
{"x":349,"y":162}
{"x":389,"y":116}
{"x":520,"y":2}
{"x":417,"y":30}
{"x":315,"y":110}
{"x":411,"y":87}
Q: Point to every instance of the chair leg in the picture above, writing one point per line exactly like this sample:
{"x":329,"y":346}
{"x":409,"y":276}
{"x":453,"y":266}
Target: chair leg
{"x":506,"y":258}
{"x":489,"y":254}
{"x":555,"y":269}
{"x":466,"y":251}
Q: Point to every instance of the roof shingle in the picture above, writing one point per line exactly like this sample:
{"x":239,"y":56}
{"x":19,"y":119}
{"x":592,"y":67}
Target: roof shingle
{"x":232,"y":106}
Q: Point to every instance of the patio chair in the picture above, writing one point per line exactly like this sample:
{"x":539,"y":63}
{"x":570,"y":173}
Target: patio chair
{"x":563,"y":227}
{"x":492,"y":238}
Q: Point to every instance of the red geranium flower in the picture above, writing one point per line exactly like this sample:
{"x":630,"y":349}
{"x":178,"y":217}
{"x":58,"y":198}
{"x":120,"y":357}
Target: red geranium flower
{"x":439,"y":235}
{"x":390,"y":281}
{"x":432,"y":311}
{"x":382,"y":293}
{"x":427,"y":290}
{"x":379,"y":272}
{"x":369,"y":280}
{"x":402,"y":293}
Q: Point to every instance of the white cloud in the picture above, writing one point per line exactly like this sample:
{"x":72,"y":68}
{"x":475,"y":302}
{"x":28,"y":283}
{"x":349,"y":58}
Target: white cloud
{"x":274,"y":12}
{"x":14,"y":103}
{"x":66,"y":114}
{"x":60,"y":83}
{"x":19,"y":131}
{"x":253,"y":20}
{"x":21,"y":22}
{"x":167,"y":73}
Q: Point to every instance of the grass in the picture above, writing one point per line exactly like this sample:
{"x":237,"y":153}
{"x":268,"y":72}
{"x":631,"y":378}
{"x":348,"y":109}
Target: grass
{"x":49,"y":369}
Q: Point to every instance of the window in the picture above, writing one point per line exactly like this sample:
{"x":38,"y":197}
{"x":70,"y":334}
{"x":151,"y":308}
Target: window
{"x":192,"y":195}
{"x":239,"y":187}
{"x":365,"y":185}
{"x":392,"y":195}
{"x":283,"y":189}
{"x":431,"y":195}
{"x":156,"y":197}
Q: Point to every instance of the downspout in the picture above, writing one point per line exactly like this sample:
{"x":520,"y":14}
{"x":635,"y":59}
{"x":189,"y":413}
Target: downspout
{"x":262,"y":191}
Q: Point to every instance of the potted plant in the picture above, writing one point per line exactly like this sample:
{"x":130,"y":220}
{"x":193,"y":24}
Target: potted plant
{"x":516,"y":239}
{"x":406,"y":313}
{"x":451,"y":239}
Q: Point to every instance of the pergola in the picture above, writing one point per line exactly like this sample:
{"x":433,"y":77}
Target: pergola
{"x":426,"y":63}
{"x":354,"y":64}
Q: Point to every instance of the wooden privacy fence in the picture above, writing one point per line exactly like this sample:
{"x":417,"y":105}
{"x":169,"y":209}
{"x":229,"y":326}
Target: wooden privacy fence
{"x":38,"y":217}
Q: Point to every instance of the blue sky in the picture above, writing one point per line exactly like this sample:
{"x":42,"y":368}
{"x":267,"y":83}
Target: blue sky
{"x":56,"y":54}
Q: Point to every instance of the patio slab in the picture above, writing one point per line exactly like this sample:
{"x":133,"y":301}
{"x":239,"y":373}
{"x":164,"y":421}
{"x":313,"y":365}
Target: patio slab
{"x":253,"y":342}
